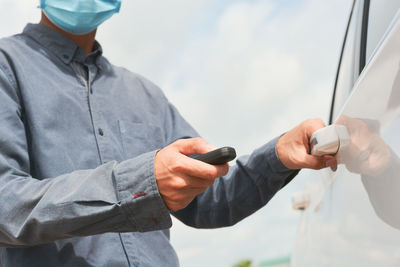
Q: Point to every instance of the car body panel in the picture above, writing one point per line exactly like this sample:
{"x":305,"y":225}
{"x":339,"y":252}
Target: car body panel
{"x":352,"y":218}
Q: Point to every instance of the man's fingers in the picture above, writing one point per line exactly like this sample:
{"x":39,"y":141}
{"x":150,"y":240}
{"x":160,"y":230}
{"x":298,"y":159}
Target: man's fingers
{"x":193,"y":146}
{"x":313,"y":162}
{"x":317,"y":163}
{"x":186,"y":182}
{"x":197,"y":168}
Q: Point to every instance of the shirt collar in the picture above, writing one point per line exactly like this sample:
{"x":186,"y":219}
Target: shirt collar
{"x":63,"y":47}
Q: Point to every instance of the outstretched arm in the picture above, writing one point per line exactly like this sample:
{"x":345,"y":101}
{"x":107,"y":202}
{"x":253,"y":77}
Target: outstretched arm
{"x":255,"y":179}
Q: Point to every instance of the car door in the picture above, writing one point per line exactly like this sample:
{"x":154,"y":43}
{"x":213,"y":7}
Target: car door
{"x":352,"y":218}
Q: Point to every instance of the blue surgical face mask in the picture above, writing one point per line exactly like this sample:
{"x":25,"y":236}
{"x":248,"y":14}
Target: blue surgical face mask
{"x":79,"y":16}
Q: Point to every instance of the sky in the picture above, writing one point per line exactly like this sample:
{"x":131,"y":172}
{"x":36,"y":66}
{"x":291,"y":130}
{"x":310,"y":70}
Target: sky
{"x":241,"y":72}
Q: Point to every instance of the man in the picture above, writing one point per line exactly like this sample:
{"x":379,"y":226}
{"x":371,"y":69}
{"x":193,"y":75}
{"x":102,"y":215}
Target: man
{"x":93,"y":158}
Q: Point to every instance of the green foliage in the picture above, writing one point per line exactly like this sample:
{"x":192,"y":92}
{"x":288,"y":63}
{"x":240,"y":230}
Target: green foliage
{"x":243,"y":263}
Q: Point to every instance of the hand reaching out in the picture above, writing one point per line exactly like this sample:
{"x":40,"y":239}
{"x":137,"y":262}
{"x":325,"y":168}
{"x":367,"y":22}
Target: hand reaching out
{"x":293,"y":147}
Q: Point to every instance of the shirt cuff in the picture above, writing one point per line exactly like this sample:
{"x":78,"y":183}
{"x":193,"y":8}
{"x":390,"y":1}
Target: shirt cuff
{"x":275,"y":163}
{"x":138,"y":194}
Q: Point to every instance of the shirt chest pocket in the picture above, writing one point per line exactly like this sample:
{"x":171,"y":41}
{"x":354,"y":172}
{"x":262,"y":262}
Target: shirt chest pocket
{"x":138,"y":138}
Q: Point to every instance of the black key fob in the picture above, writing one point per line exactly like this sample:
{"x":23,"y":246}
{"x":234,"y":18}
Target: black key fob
{"x":217,"y":157}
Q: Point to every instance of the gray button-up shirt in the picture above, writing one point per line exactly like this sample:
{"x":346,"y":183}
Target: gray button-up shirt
{"x":77,"y":143}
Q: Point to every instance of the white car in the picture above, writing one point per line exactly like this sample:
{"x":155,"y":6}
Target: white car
{"x":351,"y":215}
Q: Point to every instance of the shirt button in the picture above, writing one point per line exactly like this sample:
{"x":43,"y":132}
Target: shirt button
{"x":65,"y":56}
{"x":101,"y":133}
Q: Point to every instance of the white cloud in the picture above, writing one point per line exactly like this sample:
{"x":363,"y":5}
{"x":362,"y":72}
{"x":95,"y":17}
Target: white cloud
{"x":15,"y":14}
{"x":190,"y":252}
{"x":252,"y":69}
{"x":146,"y":35}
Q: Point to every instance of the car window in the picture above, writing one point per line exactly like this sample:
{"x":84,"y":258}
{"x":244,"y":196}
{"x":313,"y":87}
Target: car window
{"x":348,"y":68}
{"x":381,"y":13}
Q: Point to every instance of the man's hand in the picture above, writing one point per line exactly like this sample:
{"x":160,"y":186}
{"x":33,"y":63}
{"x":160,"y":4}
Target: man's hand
{"x":180,"y":178}
{"x":293,"y":148}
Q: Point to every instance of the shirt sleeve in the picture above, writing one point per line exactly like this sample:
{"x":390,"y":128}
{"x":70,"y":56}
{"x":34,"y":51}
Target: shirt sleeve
{"x":114,"y":197}
{"x":248,"y":186}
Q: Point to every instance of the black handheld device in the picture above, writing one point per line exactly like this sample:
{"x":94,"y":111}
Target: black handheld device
{"x":217,"y":157}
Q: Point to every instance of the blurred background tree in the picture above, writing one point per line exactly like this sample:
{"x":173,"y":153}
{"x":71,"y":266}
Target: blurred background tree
{"x":243,"y":263}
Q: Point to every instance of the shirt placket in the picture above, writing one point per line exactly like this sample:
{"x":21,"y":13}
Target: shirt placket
{"x":99,"y":126}
{"x":86,"y":75}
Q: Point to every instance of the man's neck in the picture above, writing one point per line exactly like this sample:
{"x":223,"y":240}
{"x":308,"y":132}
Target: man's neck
{"x":85,"y":41}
